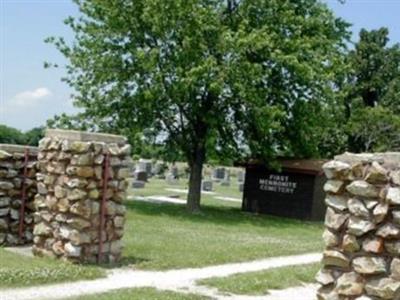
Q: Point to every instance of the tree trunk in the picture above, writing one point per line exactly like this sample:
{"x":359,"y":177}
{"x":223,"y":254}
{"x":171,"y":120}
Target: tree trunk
{"x":196,"y":171}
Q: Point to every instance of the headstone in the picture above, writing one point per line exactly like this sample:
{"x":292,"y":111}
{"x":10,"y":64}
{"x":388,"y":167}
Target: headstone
{"x":137,"y":184}
{"x":240,"y":176}
{"x":220,"y":174}
{"x":207,"y":185}
{"x":226,"y":180}
{"x":145,"y":165}
{"x":217,"y":174}
{"x":141,"y":175}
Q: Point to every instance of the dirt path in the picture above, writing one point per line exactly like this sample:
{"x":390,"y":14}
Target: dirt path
{"x":183,"y":280}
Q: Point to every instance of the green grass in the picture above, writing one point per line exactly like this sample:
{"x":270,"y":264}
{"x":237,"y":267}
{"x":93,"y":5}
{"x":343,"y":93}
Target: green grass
{"x":140,"y":294}
{"x":165,"y":236}
{"x":258,"y":283}
{"x":17,"y":270}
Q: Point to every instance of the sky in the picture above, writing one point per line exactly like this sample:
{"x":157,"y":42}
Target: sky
{"x":30,"y":94}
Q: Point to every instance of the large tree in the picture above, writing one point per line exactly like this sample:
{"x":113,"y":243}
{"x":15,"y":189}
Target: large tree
{"x":374,"y":77}
{"x":231,"y":78}
{"x":372,"y":92}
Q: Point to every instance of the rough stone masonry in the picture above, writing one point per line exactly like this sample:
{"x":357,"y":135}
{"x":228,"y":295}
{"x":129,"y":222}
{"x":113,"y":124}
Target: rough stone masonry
{"x":362,"y":235}
{"x":77,"y":173}
{"x":17,"y":191}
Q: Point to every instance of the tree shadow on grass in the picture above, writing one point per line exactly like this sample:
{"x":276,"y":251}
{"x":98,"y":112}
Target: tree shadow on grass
{"x":216,"y":215}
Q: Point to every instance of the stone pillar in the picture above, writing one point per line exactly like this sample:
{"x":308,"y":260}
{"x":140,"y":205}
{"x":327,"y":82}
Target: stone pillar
{"x":362,"y":235}
{"x":71,"y":189}
{"x":17,"y":173}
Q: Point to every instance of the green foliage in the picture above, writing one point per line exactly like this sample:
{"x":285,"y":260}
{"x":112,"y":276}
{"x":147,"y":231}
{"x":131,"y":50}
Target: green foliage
{"x":33,"y":136}
{"x":375,"y":129}
{"x":9,"y":135}
{"x":375,"y":75}
{"x":75,"y":122}
{"x":210,"y":78}
{"x":371,"y":93}
{"x":196,"y":72}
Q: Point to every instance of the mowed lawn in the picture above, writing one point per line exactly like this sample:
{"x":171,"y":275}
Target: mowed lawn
{"x":165,"y":236}
{"x":17,"y":270}
{"x":259,"y":283}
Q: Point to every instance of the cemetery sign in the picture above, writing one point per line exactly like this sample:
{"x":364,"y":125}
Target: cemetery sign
{"x":295,"y":190}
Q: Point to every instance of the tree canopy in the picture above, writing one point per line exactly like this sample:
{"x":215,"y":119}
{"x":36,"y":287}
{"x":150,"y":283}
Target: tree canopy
{"x":372,"y":93}
{"x":208,"y":77}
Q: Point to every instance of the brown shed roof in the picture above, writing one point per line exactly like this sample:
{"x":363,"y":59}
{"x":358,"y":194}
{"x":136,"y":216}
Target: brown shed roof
{"x":307,"y":166}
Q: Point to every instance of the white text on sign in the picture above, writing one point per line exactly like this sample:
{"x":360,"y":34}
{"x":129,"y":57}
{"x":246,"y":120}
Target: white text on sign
{"x":278,"y":184}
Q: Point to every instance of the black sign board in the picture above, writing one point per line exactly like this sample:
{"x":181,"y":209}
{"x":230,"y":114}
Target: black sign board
{"x":292,"y":193}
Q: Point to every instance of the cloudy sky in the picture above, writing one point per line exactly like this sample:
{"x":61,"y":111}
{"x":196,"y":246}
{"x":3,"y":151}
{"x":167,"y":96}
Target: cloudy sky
{"x":30,"y":94}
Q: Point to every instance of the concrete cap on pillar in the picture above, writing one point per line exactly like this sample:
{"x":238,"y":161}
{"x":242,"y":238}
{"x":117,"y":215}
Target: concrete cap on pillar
{"x":74,"y":135}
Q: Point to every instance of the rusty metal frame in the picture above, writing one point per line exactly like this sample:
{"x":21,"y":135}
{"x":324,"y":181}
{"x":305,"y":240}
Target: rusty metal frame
{"x":103,"y":207}
{"x":23,"y":196}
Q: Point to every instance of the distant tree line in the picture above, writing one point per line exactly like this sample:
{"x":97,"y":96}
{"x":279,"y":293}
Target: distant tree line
{"x":10,"y":135}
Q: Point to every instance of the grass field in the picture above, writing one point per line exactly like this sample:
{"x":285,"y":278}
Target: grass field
{"x":165,"y":236}
{"x":140,"y":294}
{"x":17,"y":270}
{"x":259,"y":283}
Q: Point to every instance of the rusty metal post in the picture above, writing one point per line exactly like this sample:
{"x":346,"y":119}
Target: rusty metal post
{"x":23,"y":196}
{"x":103,"y":208}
